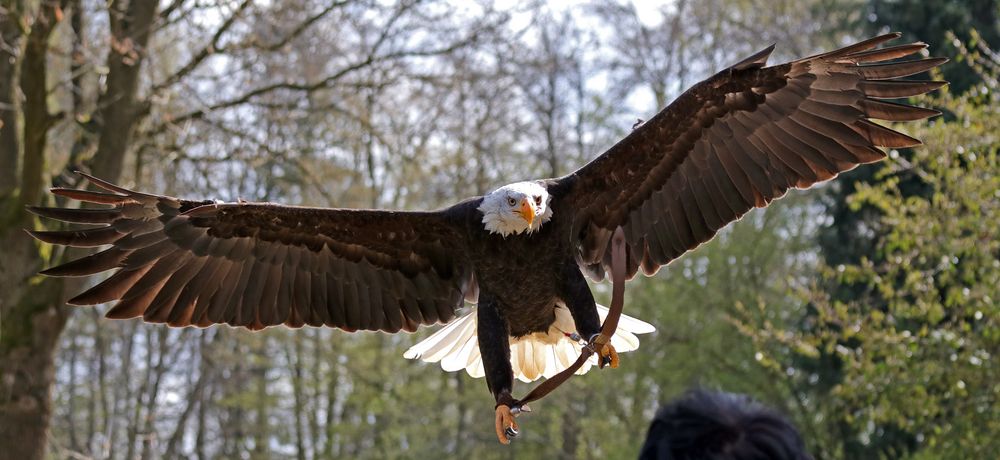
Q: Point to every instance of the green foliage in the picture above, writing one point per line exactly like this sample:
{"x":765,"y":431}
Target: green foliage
{"x":908,"y":362}
{"x":937,"y":22}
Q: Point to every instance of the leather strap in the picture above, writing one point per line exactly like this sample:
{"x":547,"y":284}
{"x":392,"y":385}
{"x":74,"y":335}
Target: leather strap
{"x":607,"y":330}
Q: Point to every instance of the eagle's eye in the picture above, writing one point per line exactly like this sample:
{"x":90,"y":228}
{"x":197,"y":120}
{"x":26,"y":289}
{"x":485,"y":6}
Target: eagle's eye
{"x":538,"y":201}
{"x":511,"y":201}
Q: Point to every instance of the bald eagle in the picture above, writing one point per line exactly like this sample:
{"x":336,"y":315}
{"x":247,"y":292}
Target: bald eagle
{"x":522,"y":253}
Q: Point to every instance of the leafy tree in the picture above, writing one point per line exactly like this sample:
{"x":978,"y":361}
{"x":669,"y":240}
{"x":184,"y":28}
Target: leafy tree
{"x":856,"y":231}
{"x":933,"y":20}
{"x":906,"y":364}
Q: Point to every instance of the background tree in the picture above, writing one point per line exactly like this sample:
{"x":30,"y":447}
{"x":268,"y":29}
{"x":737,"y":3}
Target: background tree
{"x":903,"y":365}
{"x":411,"y":104}
{"x":939,"y":23}
{"x":856,"y":229}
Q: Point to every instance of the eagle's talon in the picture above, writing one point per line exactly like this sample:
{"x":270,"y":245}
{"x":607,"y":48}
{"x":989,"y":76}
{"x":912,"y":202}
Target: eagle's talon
{"x":505,"y":425}
{"x":608,"y":355}
{"x":520,"y":409}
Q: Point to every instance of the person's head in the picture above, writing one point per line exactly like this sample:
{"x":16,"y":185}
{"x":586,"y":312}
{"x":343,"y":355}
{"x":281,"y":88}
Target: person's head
{"x":721,"y":426}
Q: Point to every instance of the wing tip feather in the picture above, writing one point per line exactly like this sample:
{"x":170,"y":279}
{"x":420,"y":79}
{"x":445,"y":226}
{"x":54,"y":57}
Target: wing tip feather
{"x":756,"y":60}
{"x":82,"y":300}
{"x":121,"y":310}
{"x":106,"y":185}
{"x":860,"y":47}
{"x":62,"y":271}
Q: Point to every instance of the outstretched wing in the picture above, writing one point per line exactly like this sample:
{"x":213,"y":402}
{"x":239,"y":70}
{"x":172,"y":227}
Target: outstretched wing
{"x":255,"y":265}
{"x":739,"y":140}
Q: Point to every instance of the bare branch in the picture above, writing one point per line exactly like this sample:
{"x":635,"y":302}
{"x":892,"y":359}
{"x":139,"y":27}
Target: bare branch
{"x":170,"y":9}
{"x":295,"y":33}
{"x":211,"y":48}
{"x":305,"y":87}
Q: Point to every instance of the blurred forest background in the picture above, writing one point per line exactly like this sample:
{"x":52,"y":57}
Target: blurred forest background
{"x":866,"y":309}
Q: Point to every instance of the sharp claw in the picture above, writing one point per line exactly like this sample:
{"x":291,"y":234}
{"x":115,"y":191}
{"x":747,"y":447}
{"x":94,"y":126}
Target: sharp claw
{"x":506,"y":427}
{"x":608,"y":356}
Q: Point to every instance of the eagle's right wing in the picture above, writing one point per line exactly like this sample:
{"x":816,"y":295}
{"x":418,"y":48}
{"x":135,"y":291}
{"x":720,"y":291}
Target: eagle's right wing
{"x":255,"y":265}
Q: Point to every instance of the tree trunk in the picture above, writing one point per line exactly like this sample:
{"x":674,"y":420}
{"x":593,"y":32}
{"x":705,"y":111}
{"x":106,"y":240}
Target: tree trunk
{"x":30,"y":331}
{"x":261,"y":408}
{"x":32,"y":314}
{"x":121,"y":405}
{"x":133,"y":429}
{"x":37,"y":119}
{"x":10,"y":150}
{"x":102,"y":387}
{"x":32,"y":311}
{"x":332,"y":445}
{"x":74,"y":440}
{"x":316,"y":379}
{"x":194,"y":398}
{"x":295,"y":358}
{"x":150,"y":439}
{"x":201,"y":435}
{"x":120,"y":108}
{"x":570,"y":432}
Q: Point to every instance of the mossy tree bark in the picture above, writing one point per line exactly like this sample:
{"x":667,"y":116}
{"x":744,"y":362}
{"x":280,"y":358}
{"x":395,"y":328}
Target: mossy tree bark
{"x":32,"y":308}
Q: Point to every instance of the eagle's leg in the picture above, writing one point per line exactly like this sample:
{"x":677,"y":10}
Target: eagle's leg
{"x":580,"y":302}
{"x":494,"y":346}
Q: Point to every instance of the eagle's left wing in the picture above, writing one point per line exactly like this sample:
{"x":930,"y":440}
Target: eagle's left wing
{"x":736,"y":141}
{"x":254,"y":265}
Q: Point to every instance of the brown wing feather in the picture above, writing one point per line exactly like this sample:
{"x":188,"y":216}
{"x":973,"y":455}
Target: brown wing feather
{"x":254,"y":265}
{"x":736,"y":141}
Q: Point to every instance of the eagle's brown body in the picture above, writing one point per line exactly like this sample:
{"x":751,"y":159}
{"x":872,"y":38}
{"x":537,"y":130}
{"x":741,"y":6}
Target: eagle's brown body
{"x":548,"y":256}
{"x":731,"y":143}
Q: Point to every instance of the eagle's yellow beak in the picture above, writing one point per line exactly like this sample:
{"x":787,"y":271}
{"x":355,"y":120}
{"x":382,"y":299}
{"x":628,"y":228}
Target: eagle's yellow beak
{"x":527,"y":212}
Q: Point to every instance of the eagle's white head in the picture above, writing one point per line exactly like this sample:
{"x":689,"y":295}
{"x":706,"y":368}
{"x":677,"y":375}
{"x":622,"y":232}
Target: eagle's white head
{"x":516,"y":208}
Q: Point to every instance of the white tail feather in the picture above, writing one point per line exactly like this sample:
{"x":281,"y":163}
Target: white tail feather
{"x":456,"y":346}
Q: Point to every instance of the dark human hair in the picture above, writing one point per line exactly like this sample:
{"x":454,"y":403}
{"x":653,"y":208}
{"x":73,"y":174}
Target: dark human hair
{"x":721,"y":426}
